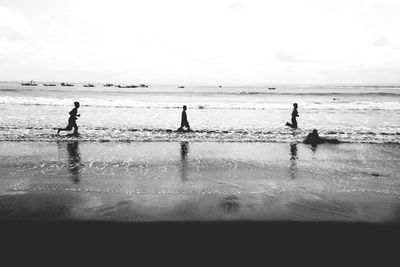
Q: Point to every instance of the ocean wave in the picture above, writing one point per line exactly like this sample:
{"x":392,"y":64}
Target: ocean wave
{"x":246,"y":105}
{"x":337,"y":94}
{"x":225,"y":93}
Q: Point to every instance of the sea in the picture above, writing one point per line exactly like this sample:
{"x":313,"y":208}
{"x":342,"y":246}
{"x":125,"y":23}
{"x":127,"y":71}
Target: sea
{"x":352,"y":114}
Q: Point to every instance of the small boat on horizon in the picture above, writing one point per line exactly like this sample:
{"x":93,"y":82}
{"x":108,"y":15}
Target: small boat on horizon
{"x":88,"y":85}
{"x":49,"y":84}
{"x":271,"y":88}
{"x":66,"y":84}
{"x":31,"y":83}
{"x":127,"y":86}
{"x":181,"y":86}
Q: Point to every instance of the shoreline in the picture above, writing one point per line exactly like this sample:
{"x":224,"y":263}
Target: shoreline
{"x":31,"y":134}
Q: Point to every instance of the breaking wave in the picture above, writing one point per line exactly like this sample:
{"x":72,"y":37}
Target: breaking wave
{"x":270,"y":105}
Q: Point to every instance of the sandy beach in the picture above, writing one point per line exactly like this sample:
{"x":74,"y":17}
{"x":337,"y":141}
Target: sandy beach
{"x":200,"y":181}
{"x":185,"y":128}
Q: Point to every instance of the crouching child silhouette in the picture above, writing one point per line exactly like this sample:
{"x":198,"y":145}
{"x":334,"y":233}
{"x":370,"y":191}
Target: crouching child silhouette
{"x":313,"y":138}
{"x":72,"y":120}
{"x":184,"y":122}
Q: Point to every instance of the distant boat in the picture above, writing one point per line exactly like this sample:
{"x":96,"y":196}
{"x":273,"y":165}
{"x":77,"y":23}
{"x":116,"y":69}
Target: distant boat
{"x":271,"y":88}
{"x":49,"y":84}
{"x":108,"y":85}
{"x":181,"y":86}
{"x":31,"y":83}
{"x":144,"y":85}
{"x":66,"y":84}
{"x":88,"y":85}
{"x":127,"y":86}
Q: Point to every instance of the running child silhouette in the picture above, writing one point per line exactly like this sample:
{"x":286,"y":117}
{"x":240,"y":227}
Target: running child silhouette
{"x":72,"y":120}
{"x":295,"y":114}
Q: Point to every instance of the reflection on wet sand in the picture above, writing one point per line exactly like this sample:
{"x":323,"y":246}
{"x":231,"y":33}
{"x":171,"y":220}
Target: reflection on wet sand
{"x":314,"y":148}
{"x":74,"y":161}
{"x":293,"y":151}
{"x":184,"y":161}
{"x":293,"y":159}
{"x":286,"y":206}
{"x":230,"y":204}
{"x":141,"y":181}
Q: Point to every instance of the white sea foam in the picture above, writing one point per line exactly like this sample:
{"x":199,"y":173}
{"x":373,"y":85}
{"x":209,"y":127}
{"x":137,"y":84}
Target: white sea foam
{"x":202,"y":104}
{"x":167,"y":135}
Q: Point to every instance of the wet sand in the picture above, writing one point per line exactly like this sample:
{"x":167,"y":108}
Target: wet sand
{"x":283,"y":207}
{"x":198,"y":202}
{"x":199,"y":182}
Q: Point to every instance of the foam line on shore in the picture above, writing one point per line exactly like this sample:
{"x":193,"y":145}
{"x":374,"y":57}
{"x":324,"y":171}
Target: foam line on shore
{"x":113,"y":134}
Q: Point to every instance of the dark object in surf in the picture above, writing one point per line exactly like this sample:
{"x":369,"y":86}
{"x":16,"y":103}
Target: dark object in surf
{"x":49,"y":84}
{"x":108,"y":85}
{"x":66,"y":84}
{"x":295,"y":114}
{"x":143,"y":85}
{"x":271,"y":88}
{"x":181,"y":86}
{"x":88,"y":85}
{"x":313,"y":138}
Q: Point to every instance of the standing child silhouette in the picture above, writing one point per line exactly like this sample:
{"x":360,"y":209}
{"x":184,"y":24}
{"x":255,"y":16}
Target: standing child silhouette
{"x":295,"y":114}
{"x":72,"y":120}
{"x":184,"y":121}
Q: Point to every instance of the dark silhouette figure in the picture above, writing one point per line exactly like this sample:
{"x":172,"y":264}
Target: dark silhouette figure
{"x":293,"y":159}
{"x":295,"y":114}
{"x":72,"y":120}
{"x":184,"y":121}
{"x":74,"y":161}
{"x":184,"y":161}
{"x":314,"y":139}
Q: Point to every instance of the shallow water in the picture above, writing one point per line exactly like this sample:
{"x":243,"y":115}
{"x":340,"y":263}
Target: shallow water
{"x":199,"y":168}
{"x":199,"y":181}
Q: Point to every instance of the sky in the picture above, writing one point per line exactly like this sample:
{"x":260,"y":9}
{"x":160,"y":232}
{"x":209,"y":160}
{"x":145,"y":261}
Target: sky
{"x":204,"y":42}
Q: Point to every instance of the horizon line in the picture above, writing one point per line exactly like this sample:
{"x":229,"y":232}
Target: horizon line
{"x":215,"y":84}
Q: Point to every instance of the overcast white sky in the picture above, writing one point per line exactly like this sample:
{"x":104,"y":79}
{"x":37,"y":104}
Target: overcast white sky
{"x":201,"y":42}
